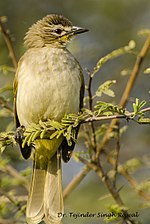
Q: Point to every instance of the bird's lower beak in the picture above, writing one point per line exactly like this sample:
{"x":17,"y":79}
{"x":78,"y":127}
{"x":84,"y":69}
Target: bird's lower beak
{"x":78,"y":30}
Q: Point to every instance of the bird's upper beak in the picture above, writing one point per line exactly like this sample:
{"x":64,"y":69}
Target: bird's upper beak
{"x":78,"y":30}
{"x":73,"y":32}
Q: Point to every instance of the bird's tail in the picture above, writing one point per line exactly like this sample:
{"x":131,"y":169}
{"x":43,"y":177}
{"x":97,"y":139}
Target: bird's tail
{"x":45,"y":199}
{"x":53,"y":199}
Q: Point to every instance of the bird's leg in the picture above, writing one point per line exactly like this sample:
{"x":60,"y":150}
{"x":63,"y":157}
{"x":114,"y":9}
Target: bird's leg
{"x":19,"y":135}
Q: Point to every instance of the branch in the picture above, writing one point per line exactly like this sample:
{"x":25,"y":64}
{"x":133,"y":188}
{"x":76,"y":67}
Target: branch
{"x":117,"y":154}
{"x":127,"y":91}
{"x":8,"y":43}
{"x":14,"y":173}
{"x":5,"y":105}
{"x":53,"y":129}
{"x":130,"y":179}
{"x":75,"y":181}
{"x":13,"y":200}
{"x":135,"y":72}
{"x":127,"y":116}
{"x":104,"y":178}
{"x":93,"y":137}
{"x":7,"y":221}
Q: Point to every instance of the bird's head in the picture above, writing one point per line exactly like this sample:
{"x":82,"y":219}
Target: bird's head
{"x":54,"y":30}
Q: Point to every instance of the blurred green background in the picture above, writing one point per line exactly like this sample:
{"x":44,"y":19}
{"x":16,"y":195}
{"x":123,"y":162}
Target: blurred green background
{"x":111,"y":24}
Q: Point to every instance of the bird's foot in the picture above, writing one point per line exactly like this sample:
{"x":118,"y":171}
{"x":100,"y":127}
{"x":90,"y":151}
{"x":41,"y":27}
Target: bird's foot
{"x":19,"y":134}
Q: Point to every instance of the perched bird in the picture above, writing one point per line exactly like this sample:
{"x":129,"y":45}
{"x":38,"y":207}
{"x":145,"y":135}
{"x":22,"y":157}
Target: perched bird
{"x":48,"y":84}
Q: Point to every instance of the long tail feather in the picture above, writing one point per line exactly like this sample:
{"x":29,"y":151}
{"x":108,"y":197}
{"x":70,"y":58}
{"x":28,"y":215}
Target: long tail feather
{"x":53,"y":199}
{"x":35,"y":204}
{"x":45,"y":200}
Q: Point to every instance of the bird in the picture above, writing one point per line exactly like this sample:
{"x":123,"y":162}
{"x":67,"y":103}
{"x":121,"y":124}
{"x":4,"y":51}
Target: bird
{"x":48,"y":84}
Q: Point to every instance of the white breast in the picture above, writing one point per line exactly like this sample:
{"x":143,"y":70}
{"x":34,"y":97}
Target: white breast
{"x":48,"y":85}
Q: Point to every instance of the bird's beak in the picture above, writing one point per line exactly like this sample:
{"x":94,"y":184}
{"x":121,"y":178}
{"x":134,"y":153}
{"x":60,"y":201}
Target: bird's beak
{"x":78,"y":30}
{"x":74,"y":31}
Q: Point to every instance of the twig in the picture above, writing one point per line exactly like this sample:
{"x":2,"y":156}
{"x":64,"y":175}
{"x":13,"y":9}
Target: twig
{"x":4,"y":104}
{"x":135,"y":72}
{"x":22,"y":198}
{"x":104,"y":178}
{"x":112,"y":189}
{"x":7,"y":221}
{"x":14,"y":173}
{"x":9,"y":44}
{"x":75,"y":181}
{"x":90,"y":107}
{"x":90,"y":92}
{"x":13,"y":201}
{"x":117,"y":153}
{"x":130,"y":179}
{"x":111,"y":117}
{"x":127,"y":91}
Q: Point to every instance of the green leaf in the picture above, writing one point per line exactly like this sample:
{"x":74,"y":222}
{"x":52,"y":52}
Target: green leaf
{"x":147,"y":71}
{"x":56,"y":125}
{"x":2,"y":148}
{"x":142,"y":104}
{"x":53,"y":135}
{"x":43,"y":133}
{"x":104,"y":89}
{"x":137,"y":106}
{"x":112,"y":55}
{"x":135,"y":109}
{"x":144,"y":120}
{"x":36,"y":135}
{"x":132,"y":164}
{"x":145,"y":185}
{"x":25,"y":140}
{"x":30,"y":139}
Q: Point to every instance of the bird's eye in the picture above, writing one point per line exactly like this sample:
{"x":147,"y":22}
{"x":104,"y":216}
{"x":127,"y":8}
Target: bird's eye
{"x":58,"y":31}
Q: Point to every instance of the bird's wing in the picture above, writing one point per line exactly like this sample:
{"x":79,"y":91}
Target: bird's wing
{"x":26,"y":151}
{"x":66,"y":149}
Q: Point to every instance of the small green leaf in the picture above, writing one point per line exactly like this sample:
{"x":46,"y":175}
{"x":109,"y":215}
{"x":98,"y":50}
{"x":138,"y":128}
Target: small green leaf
{"x":135,"y":108}
{"x":36,"y":135}
{"x":2,"y":148}
{"x":43,"y":133}
{"x":25,"y":140}
{"x":30,"y":139}
{"x":132,"y":164}
{"x":142,"y":104}
{"x":144,"y":120}
{"x":147,"y":71}
{"x":104,"y":89}
{"x":53,"y":135}
{"x":56,"y":125}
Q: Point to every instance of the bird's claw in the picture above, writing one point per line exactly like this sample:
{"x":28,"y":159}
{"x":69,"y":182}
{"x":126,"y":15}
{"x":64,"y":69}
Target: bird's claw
{"x":19,"y":134}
